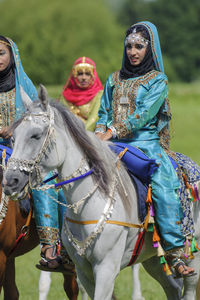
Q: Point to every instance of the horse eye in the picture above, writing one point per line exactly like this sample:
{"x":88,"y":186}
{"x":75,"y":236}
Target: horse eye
{"x":36,"y":136}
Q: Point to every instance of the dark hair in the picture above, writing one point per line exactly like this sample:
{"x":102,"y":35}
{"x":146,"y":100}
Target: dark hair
{"x":141,"y":29}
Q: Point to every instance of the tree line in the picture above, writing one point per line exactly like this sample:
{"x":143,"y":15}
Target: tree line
{"x":51,"y":34}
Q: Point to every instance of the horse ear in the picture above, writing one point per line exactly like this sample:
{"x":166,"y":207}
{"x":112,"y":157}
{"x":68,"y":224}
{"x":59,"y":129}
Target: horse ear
{"x":43,"y":96}
{"x":25,"y":98}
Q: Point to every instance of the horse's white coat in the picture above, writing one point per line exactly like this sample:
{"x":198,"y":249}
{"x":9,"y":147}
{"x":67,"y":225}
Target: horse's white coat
{"x":112,"y":247}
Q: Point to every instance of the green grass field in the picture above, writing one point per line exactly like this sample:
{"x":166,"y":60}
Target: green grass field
{"x":185,"y":106}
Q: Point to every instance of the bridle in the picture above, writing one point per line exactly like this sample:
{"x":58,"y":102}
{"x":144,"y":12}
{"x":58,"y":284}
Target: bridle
{"x":30,"y":166}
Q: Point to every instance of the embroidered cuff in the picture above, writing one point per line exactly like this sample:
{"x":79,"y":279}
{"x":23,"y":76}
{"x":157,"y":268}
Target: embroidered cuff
{"x":100,"y":128}
{"x":122,"y":130}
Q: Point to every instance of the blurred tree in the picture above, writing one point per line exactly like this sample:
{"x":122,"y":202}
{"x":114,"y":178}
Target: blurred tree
{"x":178,"y":24}
{"x":52,"y":34}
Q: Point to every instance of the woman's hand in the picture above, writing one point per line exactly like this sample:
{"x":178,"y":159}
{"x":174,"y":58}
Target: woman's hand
{"x":104,"y":136}
{"x":5,"y":133}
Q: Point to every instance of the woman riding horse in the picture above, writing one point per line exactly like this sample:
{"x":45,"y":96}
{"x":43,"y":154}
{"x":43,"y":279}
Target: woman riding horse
{"x":12,"y":79}
{"x":135,"y":110}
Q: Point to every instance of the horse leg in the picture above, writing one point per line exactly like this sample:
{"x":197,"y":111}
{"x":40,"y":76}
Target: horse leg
{"x":44,"y":284}
{"x":84,"y":295}
{"x":106,"y":270}
{"x":2,"y":268}
{"x":71,"y":286}
{"x":136,"y":294}
{"x":171,"y":287}
{"x":197,"y":289}
{"x":9,"y":286}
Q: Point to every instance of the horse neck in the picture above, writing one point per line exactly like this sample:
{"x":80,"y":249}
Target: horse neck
{"x":72,"y":155}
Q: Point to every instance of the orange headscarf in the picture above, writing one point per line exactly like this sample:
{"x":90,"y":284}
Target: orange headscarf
{"x":73,"y":92}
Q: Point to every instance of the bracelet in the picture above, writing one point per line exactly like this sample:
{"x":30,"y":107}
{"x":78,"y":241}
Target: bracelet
{"x":113,"y":130}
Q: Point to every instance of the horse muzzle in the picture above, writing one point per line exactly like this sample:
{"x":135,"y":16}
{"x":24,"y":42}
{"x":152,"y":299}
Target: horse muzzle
{"x":14,"y":182}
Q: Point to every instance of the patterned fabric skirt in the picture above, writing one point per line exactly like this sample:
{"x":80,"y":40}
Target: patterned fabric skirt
{"x":189,"y":175}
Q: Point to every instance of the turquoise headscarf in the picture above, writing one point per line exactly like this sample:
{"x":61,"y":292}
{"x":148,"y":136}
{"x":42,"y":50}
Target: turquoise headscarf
{"x":155,"y":44}
{"x":164,"y":112}
{"x":21,"y":79}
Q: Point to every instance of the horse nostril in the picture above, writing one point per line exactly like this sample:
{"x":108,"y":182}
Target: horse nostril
{"x":15,"y":181}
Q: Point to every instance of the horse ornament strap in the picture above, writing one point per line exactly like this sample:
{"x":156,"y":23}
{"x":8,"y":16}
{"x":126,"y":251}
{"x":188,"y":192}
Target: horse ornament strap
{"x":81,"y":246}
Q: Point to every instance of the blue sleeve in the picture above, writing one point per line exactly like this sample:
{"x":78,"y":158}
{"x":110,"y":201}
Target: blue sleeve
{"x":148,"y":103}
{"x":105,"y":105}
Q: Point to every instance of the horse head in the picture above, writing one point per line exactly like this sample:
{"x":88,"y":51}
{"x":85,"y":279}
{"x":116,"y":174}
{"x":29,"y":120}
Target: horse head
{"x":31,"y":140}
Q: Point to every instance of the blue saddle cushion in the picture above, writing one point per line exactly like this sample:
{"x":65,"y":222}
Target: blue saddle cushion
{"x":136,"y":161}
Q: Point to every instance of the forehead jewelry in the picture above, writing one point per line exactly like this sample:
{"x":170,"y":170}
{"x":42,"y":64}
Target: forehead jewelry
{"x":5,"y":43}
{"x":134,"y":38}
{"x":83,"y":67}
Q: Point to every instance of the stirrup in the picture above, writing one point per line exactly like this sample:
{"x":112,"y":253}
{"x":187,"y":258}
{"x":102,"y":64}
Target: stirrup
{"x":45,"y":261}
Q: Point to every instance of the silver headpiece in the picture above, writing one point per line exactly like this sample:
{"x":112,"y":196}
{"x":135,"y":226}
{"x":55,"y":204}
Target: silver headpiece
{"x":134,"y":38}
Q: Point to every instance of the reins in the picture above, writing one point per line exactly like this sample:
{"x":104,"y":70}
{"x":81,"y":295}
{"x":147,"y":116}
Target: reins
{"x":24,"y":231}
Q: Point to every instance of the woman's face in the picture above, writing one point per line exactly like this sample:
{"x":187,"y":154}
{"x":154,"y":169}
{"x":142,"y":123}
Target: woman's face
{"x":135,"y":52}
{"x":84,"y":78}
{"x":4,"y":56}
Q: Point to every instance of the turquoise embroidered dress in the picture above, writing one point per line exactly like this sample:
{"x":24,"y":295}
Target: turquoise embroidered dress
{"x":46,"y":210}
{"x":138,"y":109}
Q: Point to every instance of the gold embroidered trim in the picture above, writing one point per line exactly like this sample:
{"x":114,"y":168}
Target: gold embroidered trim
{"x":48,"y":235}
{"x":7,"y":108}
{"x":127,"y":89}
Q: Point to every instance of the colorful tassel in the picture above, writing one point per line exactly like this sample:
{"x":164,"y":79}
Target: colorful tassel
{"x":187,"y":187}
{"x":156,"y":237}
{"x":148,"y":201}
{"x":121,"y":154}
{"x":196,"y":191}
{"x":150,"y":227}
{"x":160,"y":251}
{"x":193,"y":193}
{"x":155,"y":245}
{"x":151,"y":220}
{"x":194,"y":247}
{"x":167,"y":269}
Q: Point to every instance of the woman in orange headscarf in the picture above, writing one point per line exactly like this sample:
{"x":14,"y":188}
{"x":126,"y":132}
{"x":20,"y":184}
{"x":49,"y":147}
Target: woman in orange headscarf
{"x":83,"y":90}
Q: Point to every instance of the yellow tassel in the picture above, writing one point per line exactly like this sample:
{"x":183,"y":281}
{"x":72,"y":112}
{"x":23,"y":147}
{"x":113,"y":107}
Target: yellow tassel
{"x":160,"y":251}
{"x":167,"y":269}
{"x":191,"y":256}
{"x":186,"y":248}
{"x":120,"y":156}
